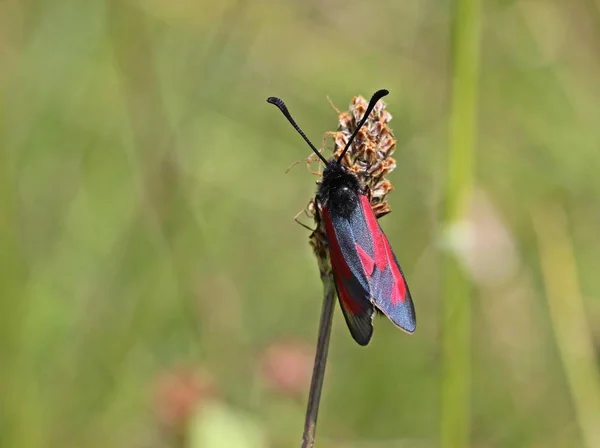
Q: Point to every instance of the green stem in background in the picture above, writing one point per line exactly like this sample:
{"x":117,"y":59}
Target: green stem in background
{"x":569,"y":322}
{"x":316,"y":384}
{"x":17,"y":405}
{"x":455,"y":412}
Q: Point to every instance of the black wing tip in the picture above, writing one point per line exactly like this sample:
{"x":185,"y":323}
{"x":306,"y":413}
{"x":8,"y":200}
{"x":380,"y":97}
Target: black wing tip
{"x":361,"y":334}
{"x":362,"y":340}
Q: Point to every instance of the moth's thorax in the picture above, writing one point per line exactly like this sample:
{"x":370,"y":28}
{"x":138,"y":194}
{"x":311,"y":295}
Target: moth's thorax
{"x":339,"y":190}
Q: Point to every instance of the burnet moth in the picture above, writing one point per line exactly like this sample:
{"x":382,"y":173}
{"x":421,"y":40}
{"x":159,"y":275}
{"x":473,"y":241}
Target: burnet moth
{"x":366,"y":272}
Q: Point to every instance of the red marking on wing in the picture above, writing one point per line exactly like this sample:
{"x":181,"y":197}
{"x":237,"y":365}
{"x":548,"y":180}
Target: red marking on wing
{"x":380,"y":255}
{"x":339,"y":265}
{"x":367,"y":262}
{"x":383,"y":253}
{"x":399,"y":286}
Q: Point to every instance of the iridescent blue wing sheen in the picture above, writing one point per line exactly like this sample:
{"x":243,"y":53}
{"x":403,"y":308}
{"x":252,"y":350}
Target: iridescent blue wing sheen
{"x":367,"y":273}
{"x":351,"y":282}
{"x":390,"y":293}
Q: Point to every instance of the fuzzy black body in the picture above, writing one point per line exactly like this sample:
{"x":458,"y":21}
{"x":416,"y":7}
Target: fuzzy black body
{"x":339,"y":190}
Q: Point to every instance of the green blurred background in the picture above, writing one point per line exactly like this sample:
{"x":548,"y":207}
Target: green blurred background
{"x":155,"y":291}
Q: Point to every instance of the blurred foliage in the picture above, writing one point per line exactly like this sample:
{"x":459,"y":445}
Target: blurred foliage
{"x":147,"y":219}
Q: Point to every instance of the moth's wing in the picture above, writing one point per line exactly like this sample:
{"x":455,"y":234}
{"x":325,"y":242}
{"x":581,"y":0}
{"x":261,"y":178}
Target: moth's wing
{"x":390,"y":293}
{"x":351,"y":281}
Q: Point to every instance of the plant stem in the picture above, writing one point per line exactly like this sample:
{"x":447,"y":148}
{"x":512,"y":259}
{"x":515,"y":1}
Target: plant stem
{"x":455,"y":412}
{"x":316,"y":385}
{"x":569,"y":321}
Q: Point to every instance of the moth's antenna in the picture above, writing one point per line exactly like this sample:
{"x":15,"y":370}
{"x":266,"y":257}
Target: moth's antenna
{"x":284,"y":110}
{"x":376,"y":97}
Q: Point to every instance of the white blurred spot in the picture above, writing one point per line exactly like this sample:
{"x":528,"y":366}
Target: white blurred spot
{"x":483,"y":243}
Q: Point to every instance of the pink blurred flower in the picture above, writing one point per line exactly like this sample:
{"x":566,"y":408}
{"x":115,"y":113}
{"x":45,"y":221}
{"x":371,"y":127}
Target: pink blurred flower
{"x":287,"y":367}
{"x":178,"y":393}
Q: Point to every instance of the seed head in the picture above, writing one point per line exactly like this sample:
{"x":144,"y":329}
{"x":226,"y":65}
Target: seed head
{"x":369,"y":158}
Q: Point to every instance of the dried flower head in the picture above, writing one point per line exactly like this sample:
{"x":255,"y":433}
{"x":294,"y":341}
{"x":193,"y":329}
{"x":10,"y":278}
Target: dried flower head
{"x":369,"y":158}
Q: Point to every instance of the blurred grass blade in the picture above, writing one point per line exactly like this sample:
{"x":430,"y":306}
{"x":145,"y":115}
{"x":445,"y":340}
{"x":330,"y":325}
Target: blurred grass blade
{"x":456,"y":336}
{"x":15,"y":405}
{"x":568,"y":317}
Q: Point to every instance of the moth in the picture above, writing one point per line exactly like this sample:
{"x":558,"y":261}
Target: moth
{"x":366,"y":272}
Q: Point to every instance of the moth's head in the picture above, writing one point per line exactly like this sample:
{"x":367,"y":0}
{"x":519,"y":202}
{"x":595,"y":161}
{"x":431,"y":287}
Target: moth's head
{"x":335,"y":170}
